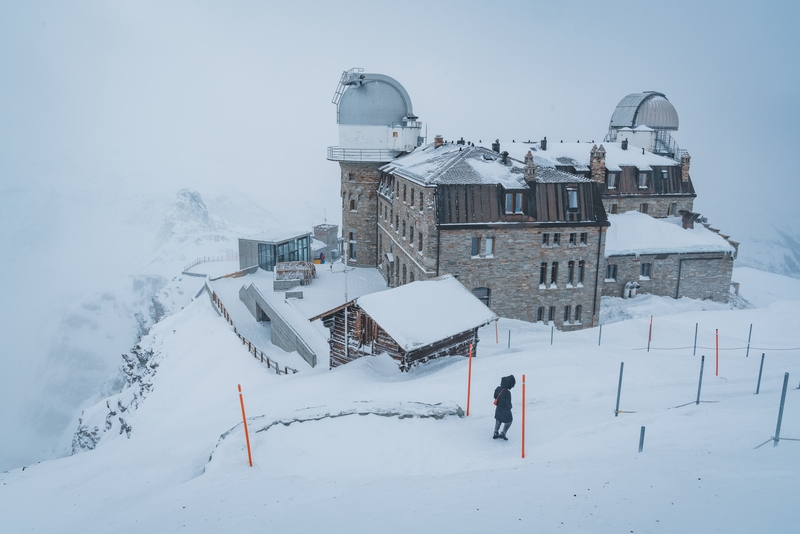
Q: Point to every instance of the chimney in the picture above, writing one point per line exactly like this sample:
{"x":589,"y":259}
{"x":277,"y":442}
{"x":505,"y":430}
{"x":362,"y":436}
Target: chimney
{"x":461,"y":141}
{"x":597,"y":163}
{"x":685,"y":158}
{"x":438,"y":141}
{"x":543,"y":144}
{"x":530,"y":168}
{"x":505,"y":157}
{"x":688,"y":218}
{"x":625,"y":144}
{"x":496,"y":145}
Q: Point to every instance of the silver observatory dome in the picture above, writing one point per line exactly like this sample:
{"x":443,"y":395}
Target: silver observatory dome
{"x":649,"y":109}
{"x":373,"y":100}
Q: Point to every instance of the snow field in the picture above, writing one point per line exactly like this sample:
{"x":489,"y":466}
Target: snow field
{"x":698,"y":472}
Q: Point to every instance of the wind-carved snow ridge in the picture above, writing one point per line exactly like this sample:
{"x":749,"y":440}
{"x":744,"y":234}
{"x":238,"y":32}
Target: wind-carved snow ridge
{"x":138,"y":371}
{"x":401,"y":410}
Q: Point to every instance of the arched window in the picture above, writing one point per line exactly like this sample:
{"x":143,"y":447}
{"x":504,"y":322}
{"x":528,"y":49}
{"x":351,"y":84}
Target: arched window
{"x":351,"y":245}
{"x":411,"y":276}
{"x":404,"y":273}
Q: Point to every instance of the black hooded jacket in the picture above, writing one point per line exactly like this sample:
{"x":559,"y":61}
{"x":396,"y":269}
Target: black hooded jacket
{"x":503,"y":411}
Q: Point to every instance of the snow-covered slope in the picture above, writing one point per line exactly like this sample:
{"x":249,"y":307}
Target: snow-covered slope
{"x":180,"y":461}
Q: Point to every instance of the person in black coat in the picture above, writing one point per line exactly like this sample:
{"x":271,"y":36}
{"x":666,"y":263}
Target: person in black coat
{"x":502,"y":413}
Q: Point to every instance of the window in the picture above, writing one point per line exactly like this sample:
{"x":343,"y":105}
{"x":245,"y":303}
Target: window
{"x":664,"y":174}
{"x":612,"y":208}
{"x":543,"y":274}
{"x":404,"y":228}
{"x":644,"y":207}
{"x":391,"y":217}
{"x":398,"y":189}
{"x":554,"y":273}
{"x":545,"y":240}
{"x":581,"y":270}
{"x":572,"y":239}
{"x":572,"y":199}
{"x":584,"y":238}
{"x":611,"y":272}
{"x":396,"y":223}
{"x":350,"y":176}
{"x":380,"y":245}
{"x":482,"y":293}
{"x":412,"y":196}
{"x":556,"y":240}
{"x":672,"y":209}
{"x":404,"y":192}
{"x":578,"y":309}
{"x":421,"y":200}
{"x":352,"y":244}
{"x":566,"y":313}
{"x":645,"y":270}
{"x":266,"y":256}
{"x":353,"y":204}
{"x":404,"y":273}
{"x":420,"y":242}
{"x":396,"y":272}
{"x":540,"y":314}
{"x":570,"y":272}
{"x":551,"y":313}
{"x":394,"y":134}
{"x":611,"y":181}
{"x":642,"y":180}
{"x":513,"y":202}
{"x":489,"y":246}
{"x":476,"y":246}
{"x":411,"y":276}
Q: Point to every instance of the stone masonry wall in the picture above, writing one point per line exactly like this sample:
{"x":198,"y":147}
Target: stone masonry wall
{"x":360,"y":183}
{"x":656,"y":206}
{"x":702,"y":275}
{"x":419,"y":217}
{"x":512,"y":273}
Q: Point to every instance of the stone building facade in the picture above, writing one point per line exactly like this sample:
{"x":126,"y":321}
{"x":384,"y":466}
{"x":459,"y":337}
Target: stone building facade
{"x":359,"y":216}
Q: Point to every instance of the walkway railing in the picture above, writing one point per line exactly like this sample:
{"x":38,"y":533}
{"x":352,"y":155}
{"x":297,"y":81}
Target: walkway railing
{"x":206,"y":259}
{"x":251,"y":347}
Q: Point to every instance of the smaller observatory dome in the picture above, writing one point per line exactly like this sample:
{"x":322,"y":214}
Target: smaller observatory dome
{"x":649,"y":109}
{"x":374,"y":100}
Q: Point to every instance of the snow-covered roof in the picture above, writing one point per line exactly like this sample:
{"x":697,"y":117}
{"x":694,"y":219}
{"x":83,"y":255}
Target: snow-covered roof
{"x":452,"y":163}
{"x":276,"y":235}
{"x":636,"y":233}
{"x":421,"y":313}
{"x":578,"y":155}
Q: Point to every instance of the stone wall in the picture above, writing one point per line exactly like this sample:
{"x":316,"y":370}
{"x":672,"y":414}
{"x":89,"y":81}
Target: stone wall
{"x":248,"y":253}
{"x":360,"y":184}
{"x":698,"y":275}
{"x":398,"y":218}
{"x":657,"y":206}
{"x":512,"y":273}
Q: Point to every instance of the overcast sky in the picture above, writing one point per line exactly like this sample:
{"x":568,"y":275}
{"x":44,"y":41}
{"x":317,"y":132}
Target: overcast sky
{"x":107,"y":109}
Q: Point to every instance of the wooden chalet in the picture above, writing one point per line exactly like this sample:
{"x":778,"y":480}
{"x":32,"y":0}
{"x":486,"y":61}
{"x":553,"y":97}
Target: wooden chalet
{"x":414,"y":323}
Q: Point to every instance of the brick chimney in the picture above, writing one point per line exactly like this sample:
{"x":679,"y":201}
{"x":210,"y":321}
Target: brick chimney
{"x":597,"y":163}
{"x":530,"y":168}
{"x":438,"y":141}
{"x":685,"y":166}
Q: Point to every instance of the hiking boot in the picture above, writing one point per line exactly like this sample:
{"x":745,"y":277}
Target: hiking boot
{"x":496,"y":435}
{"x":503,"y":436}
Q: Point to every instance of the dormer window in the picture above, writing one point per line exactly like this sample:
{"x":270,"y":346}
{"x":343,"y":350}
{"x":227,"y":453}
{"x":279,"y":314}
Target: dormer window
{"x":664,"y":174}
{"x":513,"y":202}
{"x":643,"y":180}
{"x":611,"y":180}
{"x":572,"y":199}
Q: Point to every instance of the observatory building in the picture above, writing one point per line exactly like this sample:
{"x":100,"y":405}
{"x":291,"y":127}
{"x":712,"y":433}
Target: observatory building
{"x":376,"y":124}
{"x":538,"y":231}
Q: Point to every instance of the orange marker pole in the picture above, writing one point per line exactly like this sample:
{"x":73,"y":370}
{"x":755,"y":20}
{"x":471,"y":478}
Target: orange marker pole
{"x":496,"y":334}
{"x":246,"y":433}
{"x":523,"y":416}
{"x":469,"y":377}
{"x":717,"y":349}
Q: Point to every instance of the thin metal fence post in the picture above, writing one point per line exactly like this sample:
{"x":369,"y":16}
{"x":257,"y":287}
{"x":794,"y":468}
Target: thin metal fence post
{"x":760,"y":370}
{"x":552,"y":329}
{"x":700,"y":382}
{"x":641,"y":440}
{"x":650,"y":334}
{"x":750,"y":335}
{"x":694,"y":352}
{"x":780,"y":411}
{"x":619,"y":388}
{"x":600,"y":335}
{"x":509,"y":339}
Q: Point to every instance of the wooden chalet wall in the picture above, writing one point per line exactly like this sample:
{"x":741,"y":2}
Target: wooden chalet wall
{"x":366,"y":338}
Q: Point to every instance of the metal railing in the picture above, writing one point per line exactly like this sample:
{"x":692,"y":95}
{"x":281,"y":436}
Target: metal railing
{"x":336,"y":153}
